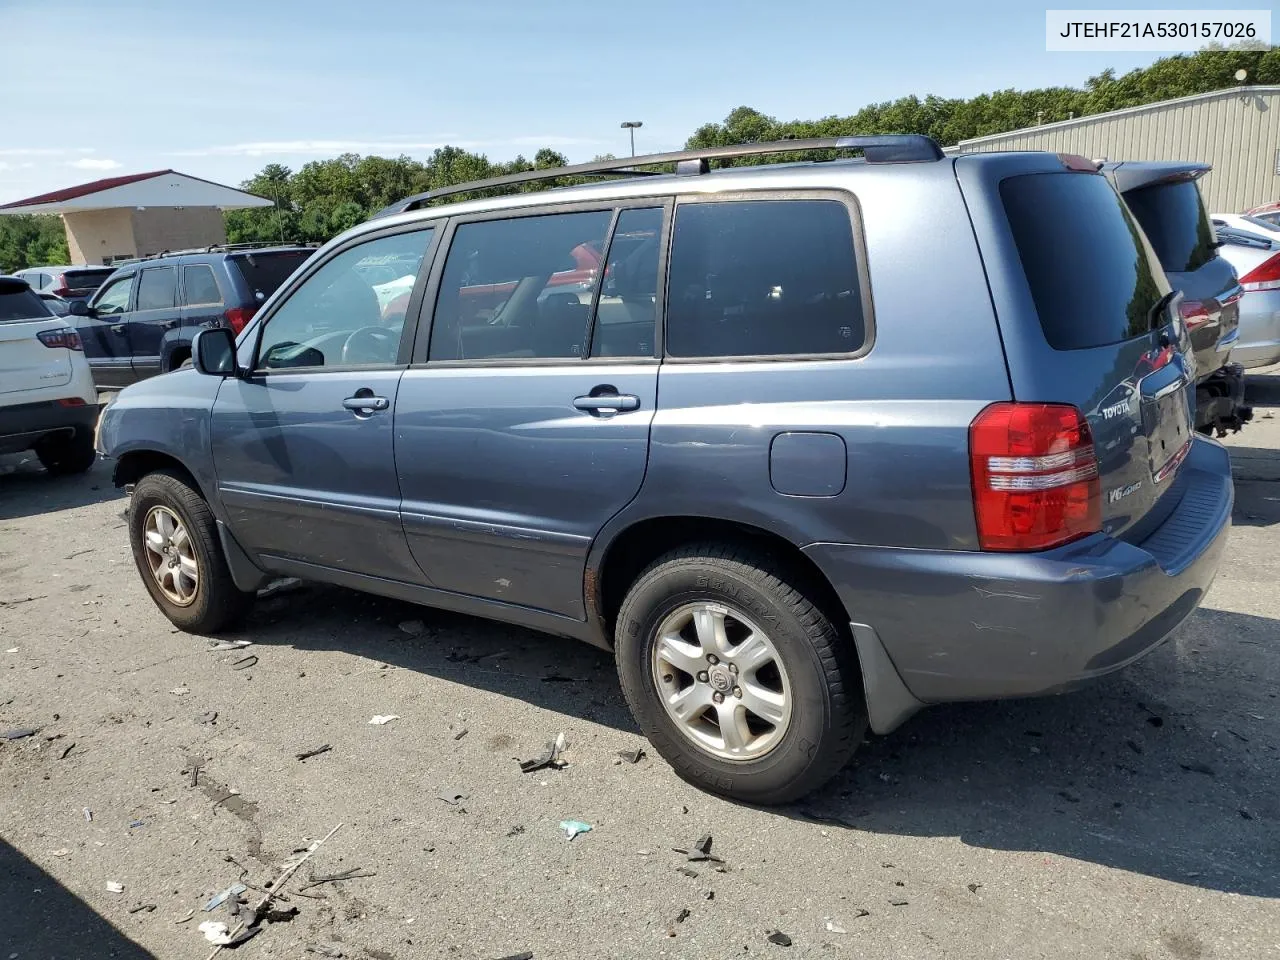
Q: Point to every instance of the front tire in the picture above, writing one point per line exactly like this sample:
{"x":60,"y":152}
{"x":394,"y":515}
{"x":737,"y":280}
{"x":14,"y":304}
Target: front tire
{"x":179,"y":557}
{"x":737,"y":676}
{"x":63,"y":456}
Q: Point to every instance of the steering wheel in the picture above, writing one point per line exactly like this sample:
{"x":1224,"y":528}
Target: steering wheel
{"x":370,"y":345}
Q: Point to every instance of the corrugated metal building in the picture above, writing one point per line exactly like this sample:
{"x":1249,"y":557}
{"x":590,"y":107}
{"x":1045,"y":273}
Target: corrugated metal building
{"x":1236,"y":130}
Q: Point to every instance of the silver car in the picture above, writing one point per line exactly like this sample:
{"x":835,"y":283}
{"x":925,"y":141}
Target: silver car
{"x":1252,"y":246}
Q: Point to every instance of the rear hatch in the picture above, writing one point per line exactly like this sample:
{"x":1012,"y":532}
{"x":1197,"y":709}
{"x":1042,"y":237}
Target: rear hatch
{"x":265,"y":270}
{"x":82,"y":284}
{"x":1090,"y":320}
{"x":26,"y":363}
{"x":1165,"y":199}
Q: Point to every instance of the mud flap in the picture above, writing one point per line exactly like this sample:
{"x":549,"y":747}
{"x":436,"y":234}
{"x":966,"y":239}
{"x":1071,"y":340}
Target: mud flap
{"x":889,"y":702}
{"x":246,"y":574}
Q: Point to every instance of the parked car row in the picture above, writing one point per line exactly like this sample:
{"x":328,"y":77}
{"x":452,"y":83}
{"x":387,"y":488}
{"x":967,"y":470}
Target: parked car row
{"x":1252,"y":246}
{"x":797,"y":486}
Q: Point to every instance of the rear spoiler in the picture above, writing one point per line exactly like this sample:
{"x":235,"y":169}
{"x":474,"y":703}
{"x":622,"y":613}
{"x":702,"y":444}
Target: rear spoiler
{"x":1128,"y":175}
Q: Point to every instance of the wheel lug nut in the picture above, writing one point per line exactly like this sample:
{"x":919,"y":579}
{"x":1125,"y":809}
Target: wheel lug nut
{"x":733,"y":668}
{"x":718,"y":697}
{"x":703,"y":677}
{"x":737,"y":692}
{"x":712,"y":659}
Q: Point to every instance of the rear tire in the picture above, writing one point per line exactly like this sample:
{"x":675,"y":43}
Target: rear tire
{"x":778,"y":654}
{"x":63,"y":456}
{"x":179,"y":556}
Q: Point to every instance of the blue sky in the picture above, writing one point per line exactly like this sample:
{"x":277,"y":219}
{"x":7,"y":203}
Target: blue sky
{"x":220,"y":89}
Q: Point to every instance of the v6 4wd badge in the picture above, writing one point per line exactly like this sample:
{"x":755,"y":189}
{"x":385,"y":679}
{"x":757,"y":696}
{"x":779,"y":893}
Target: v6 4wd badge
{"x":1119,"y":493}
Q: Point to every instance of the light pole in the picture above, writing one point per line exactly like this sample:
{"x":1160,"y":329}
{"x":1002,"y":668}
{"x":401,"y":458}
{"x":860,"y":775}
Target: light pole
{"x":632,"y":126}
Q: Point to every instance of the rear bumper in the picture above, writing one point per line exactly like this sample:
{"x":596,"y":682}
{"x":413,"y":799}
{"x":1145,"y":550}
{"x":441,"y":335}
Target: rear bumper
{"x":25,"y":425}
{"x":974,"y":626}
{"x":1259,"y":343}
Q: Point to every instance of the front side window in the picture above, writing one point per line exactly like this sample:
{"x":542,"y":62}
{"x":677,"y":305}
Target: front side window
{"x":519,"y":289}
{"x":199,"y":288}
{"x":158,"y":288}
{"x":115,"y":297}
{"x":341,"y":315}
{"x":763,"y":278}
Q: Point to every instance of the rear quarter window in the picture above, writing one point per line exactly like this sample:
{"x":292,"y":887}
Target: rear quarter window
{"x":764,"y":278}
{"x":1173,"y":217}
{"x":1093,"y":278}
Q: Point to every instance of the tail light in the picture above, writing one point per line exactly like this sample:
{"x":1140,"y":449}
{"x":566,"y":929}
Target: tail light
{"x":66,"y":337}
{"x":1035,"y":476}
{"x":1265,"y":276}
{"x":237,"y":317}
{"x":71,"y":402}
{"x":61,"y":289}
{"x":1194,"y":313}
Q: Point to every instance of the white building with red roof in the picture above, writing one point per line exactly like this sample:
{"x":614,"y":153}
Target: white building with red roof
{"x":138,"y":215}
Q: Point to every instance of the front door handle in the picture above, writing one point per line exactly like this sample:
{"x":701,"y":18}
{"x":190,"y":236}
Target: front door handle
{"x":118,"y":328}
{"x":366,"y":405}
{"x":169,"y":324}
{"x":611,"y":402}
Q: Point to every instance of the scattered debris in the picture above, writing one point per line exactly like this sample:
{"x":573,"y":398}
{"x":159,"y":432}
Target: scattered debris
{"x":1134,"y":746}
{"x":244,"y":663}
{"x":136,"y":824}
{"x":413,"y":627}
{"x":1239,"y":736}
{"x":515,"y":831}
{"x":88,"y":815}
{"x":632,"y":756}
{"x":12,"y":650}
{"x":684,"y":914}
{"x":61,"y":852}
{"x":1156,"y":721}
{"x":885,"y":778}
{"x":1197,"y":767}
{"x":325,"y":951}
{"x":14,"y":603}
{"x":308,"y":754}
{"x":550,"y":757}
{"x":185,"y":917}
{"x":1068,"y":796}
{"x":354,"y":874}
{"x":833,"y":927}
{"x":1245,"y":813}
{"x":284,"y":585}
{"x":975,"y":887}
{"x":215,"y":931}
{"x":20,"y":733}
{"x":230,"y":645}
{"x":687,"y":872}
{"x":813,"y":816}
{"x":862,"y":913}
{"x":461,"y":733}
{"x":779,"y":938}
{"x":524,"y":955}
{"x":148,"y":907}
{"x":113,"y":887}
{"x":452,"y":797}
{"x":572,"y":828}
{"x":897,"y":903}
{"x":384,"y":718}
{"x":219,"y":899}
{"x":181,"y":691}
{"x":709,"y":895}
{"x":195,"y":774}
{"x":66,"y":751}
{"x":559,"y":678}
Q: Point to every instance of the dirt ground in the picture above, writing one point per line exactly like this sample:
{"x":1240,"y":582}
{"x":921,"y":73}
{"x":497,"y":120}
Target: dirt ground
{"x":1137,"y":818}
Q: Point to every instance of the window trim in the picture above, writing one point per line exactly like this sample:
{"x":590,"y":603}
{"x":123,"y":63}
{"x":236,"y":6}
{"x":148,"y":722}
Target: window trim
{"x":286,"y":291}
{"x":615,"y":205}
{"x":850,"y":202}
{"x":182,"y":293}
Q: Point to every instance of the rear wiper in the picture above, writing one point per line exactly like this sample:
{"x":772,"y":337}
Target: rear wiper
{"x":1153,"y":315}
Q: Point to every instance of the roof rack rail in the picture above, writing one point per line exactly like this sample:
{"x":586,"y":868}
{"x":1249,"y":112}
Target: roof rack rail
{"x":218,"y":248}
{"x":885,"y":148}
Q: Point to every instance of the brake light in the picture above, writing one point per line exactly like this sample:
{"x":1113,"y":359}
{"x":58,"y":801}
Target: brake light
{"x":71,"y":402}
{"x":61,"y":290}
{"x":1035,"y":476}
{"x":237,"y":317}
{"x":65,"y":337}
{"x":1194,"y":313}
{"x":1265,"y":276}
{"x":1073,"y":161}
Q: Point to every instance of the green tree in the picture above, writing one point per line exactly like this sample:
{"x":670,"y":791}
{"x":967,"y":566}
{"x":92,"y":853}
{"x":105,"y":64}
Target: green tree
{"x":32,"y":241}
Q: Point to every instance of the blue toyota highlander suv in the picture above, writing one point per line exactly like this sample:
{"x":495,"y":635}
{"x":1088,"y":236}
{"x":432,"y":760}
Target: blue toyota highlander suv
{"x":802,"y":460}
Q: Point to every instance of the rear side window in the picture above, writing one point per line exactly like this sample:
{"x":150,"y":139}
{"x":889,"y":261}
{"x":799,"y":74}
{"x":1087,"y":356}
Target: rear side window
{"x":763,"y":278}
{"x":264,"y":272}
{"x":199,"y":288}
{"x":1174,"y":220}
{"x":1093,"y":279}
{"x":158,"y":288}
{"x":18,"y":302}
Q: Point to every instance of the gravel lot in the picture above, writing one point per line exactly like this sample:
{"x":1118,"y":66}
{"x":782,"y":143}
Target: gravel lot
{"x":1138,"y":818}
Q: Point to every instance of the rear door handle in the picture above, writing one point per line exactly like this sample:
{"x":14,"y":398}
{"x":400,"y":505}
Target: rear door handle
{"x":612,"y":402}
{"x":118,"y":328}
{"x":366,"y":404}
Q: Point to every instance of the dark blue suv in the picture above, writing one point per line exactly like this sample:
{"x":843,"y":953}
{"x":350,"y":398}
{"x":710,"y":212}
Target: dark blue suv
{"x":143,"y":318}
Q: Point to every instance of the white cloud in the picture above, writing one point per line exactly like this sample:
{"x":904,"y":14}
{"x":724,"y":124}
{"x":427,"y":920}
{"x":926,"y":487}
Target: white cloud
{"x":329,"y":148}
{"x":90,"y":163}
{"x":43,"y":151}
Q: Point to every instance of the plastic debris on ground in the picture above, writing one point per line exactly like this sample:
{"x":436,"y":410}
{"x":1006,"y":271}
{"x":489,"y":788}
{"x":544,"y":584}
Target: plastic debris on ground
{"x":219,"y":899}
{"x":62,"y":852}
{"x":572,"y":828}
{"x":308,"y":754}
{"x":217,"y":932}
{"x":384,"y":718}
{"x":244,"y":663}
{"x":461,"y":733}
{"x":230,"y":645}
{"x":113,"y":887}
{"x":631,"y":756}
{"x":88,"y":815}
{"x":21,"y":733}
{"x":354,"y":873}
{"x":779,"y":938}
{"x":525,"y":955}
{"x":185,"y":917}
{"x":550,"y":757}
{"x":833,"y":927}
{"x":181,"y":691}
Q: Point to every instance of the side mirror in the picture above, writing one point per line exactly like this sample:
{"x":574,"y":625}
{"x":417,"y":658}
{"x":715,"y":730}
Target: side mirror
{"x":213,"y":352}
{"x":80,"y":308}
